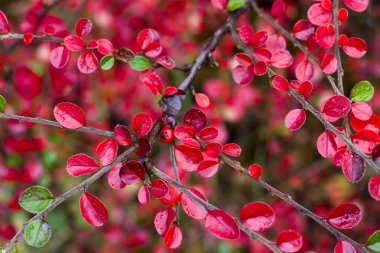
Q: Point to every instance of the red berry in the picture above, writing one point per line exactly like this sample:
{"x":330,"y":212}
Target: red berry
{"x":167,"y":135}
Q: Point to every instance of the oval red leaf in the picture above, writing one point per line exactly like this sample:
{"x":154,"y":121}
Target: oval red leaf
{"x":163,"y":220}
{"x":191,"y":207}
{"x":337,"y":106}
{"x":207,"y":168}
{"x":257,"y":216}
{"x":69,"y":115}
{"x":159,"y":188}
{"x":148,"y":41}
{"x":188,"y":158}
{"x":280,"y":83}
{"x":345,"y":216}
{"x":74,"y":43}
{"x":242,"y":75}
{"x":232,"y":149}
{"x":303,"y":29}
{"x":213,"y":149}
{"x":326,"y":144}
{"x":222,"y":225}
{"x":202,"y":100}
{"x":105,"y":47}
{"x":196,"y":119}
{"x":93,"y":210}
{"x":59,"y":57}
{"x":304,"y":71}
{"x":329,"y":64}
{"x":357,"y":5}
{"x":107,"y":151}
{"x":142,"y":123}
{"x":154,"y":83}
{"x":255,"y":170}
{"x":173,"y":237}
{"x":353,"y":167}
{"x":319,"y":15}
{"x":344,"y":247}
{"x":4,"y":24}
{"x":289,"y":241}
{"x":143,"y":195}
{"x":81,"y":164}
{"x":366,"y":140}
{"x":132,"y":172}
{"x":87,"y":62}
{"x":114,"y":179}
{"x":122,"y":135}
{"x":374,"y":187}
{"x":83,"y":27}
{"x":295,"y":119}
{"x":208,"y":134}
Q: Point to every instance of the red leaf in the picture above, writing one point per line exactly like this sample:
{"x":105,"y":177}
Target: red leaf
{"x":243,"y":59}
{"x":105,"y":47}
{"x":353,"y":168}
{"x":337,"y":106}
{"x":191,"y":143}
{"x":255,"y":170}
{"x":242,"y":75}
{"x":87,"y":62}
{"x":344,"y":247}
{"x":257,"y":216}
{"x":361,"y":111}
{"x":208,"y":134}
{"x":260,"y":68}
{"x":355,"y":47}
{"x":366,"y":140}
{"x":326,"y":144}
{"x":325,"y":36}
{"x":4,"y":24}
{"x":143,"y":195}
{"x":281,"y":59}
{"x":69,"y":115}
{"x":305,"y":88}
{"x":305,"y":71}
{"x":172,"y":197}
{"x":280,"y":83}
{"x":132,"y":172}
{"x":342,"y":15}
{"x":142,"y":123}
{"x":295,"y":119}
{"x":81,"y":164}
{"x":173,"y":237}
{"x":376,"y":154}
{"x":372,"y":124}
{"x":329,"y":64}
{"x":83,"y":27}
{"x":289,"y":241}
{"x":278,"y":8}
{"x":259,"y":39}
{"x":263,"y":54}
{"x":196,"y":119}
{"x":154,"y":83}
{"x":166,"y":61}
{"x":122,"y":135}
{"x":357,"y":5}
{"x":318,"y":15}
{"x":59,"y":57}
{"x":222,"y":225}
{"x":345,"y":216}
{"x":202,"y":100}
{"x":159,"y":188}
{"x":163,"y":220}
{"x":74,"y":43}
{"x":208,"y":168}
{"x":107,"y":151}
{"x":303,"y":29}
{"x":183,"y":132}
{"x":93,"y":210}
{"x":213,"y":149}
{"x":374,"y":187}
{"x":191,"y":207}
{"x":27,"y":83}
{"x":28,"y":38}
{"x":148,"y":42}
{"x":220,"y":4}
{"x":232,"y":149}
{"x":246,"y":33}
{"x":188,"y":158}
{"x":114,"y":179}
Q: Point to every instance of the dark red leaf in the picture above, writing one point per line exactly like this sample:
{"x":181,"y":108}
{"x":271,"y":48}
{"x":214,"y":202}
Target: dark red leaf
{"x":142,"y":123}
{"x":122,"y":135}
{"x":374,"y":187}
{"x":93,"y":210}
{"x":353,"y":168}
{"x":148,"y":41}
{"x":107,"y":151}
{"x":83,"y":27}
{"x":132,"y":172}
{"x":257,"y":216}
{"x":159,"y":188}
{"x":278,"y":8}
{"x":345,"y":216}
{"x":337,"y":106}
{"x":195,"y":118}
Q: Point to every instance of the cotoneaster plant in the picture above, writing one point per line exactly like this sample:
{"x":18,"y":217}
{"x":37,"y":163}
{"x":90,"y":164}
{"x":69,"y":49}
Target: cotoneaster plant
{"x":168,"y":149}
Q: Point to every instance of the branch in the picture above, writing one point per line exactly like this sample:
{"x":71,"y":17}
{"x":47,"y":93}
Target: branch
{"x":182,"y":188}
{"x":20,"y":36}
{"x":55,"y":124}
{"x":288,"y":199}
{"x":295,"y":42}
{"x":68,"y":194}
{"x":309,"y":107}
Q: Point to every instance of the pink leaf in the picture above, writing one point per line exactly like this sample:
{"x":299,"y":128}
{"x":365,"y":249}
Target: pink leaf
{"x":87,"y":62}
{"x":202,"y":100}
{"x":173,"y":237}
{"x":232,"y":149}
{"x":355,"y":47}
{"x":318,"y":15}
{"x":142,"y":123}
{"x":208,"y":168}
{"x":326,"y":144}
{"x":107,"y":151}
{"x":257,"y":216}
{"x":295,"y":119}
{"x":148,"y":41}
{"x":114,"y":179}
{"x":122,"y":135}
{"x":143,"y":195}
{"x":361,"y":111}
{"x":337,"y":106}
{"x":374,"y":187}
{"x":353,"y":168}
{"x":191,"y":207}
{"x":329,"y":64}
{"x":69,"y":115}
{"x":365,"y":140}
{"x":163,"y":220}
{"x":345,"y":216}
{"x":357,"y":5}
{"x":81,"y":164}
{"x":344,"y":247}
{"x":74,"y":43}
{"x":4,"y":24}
{"x":83,"y":27}
{"x":303,"y":29}
{"x":289,"y":241}
{"x":59,"y":57}
{"x":304,"y":71}
{"x":242,"y":75}
{"x":281,"y":59}
{"x":105,"y":47}
{"x":222,"y":225}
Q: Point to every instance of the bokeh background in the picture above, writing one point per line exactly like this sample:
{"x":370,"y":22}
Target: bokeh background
{"x":251,"y":116}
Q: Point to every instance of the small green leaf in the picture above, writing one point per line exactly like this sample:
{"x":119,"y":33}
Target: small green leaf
{"x":35,"y":199}
{"x":107,"y":62}
{"x":37,"y":233}
{"x":235,"y":4}
{"x":14,"y":249}
{"x":362,"y":92}
{"x":3,"y":104}
{"x":140,"y":63}
{"x":374,"y":241}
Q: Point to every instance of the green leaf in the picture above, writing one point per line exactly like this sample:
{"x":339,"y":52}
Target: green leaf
{"x":14,"y":249}
{"x":37,"y":233}
{"x":235,"y":4}
{"x":35,"y":199}
{"x":107,"y":62}
{"x":374,"y":241}
{"x":140,"y":63}
{"x":3,"y":104}
{"x":362,"y":92}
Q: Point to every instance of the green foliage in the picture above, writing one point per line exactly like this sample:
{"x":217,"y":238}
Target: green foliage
{"x":362,"y":92}
{"x":3,"y":104}
{"x":374,"y":241}
{"x":107,"y":62}
{"x":37,"y":233}
{"x":140,"y":63}
{"x":35,"y":199}
{"x":235,"y":4}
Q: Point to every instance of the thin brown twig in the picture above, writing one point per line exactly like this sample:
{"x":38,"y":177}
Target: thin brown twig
{"x":182,"y":188}
{"x":55,"y":124}
{"x":68,"y":194}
